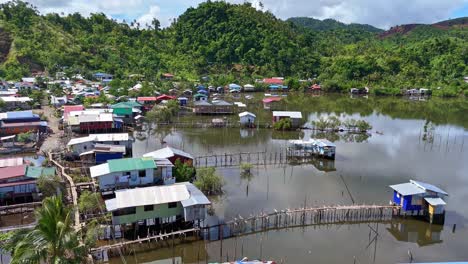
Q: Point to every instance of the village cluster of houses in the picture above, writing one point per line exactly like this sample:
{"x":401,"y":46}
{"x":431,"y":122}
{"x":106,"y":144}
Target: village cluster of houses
{"x":140,"y":192}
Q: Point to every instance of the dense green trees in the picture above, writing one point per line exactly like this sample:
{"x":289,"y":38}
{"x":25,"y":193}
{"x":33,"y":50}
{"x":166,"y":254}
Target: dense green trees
{"x":52,"y":240}
{"x":235,"y":43}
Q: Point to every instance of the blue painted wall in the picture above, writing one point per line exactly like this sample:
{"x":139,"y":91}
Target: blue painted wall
{"x":407,"y":206}
{"x":104,"y":157}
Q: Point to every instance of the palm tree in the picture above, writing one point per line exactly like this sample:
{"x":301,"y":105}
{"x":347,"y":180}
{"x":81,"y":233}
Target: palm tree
{"x":53,"y":240}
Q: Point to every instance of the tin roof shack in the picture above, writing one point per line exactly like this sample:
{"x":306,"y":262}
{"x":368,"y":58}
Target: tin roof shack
{"x":130,"y":172}
{"x":295,"y":117}
{"x":102,"y":153}
{"x":19,"y":182}
{"x":85,"y":144}
{"x":92,"y":122}
{"x":213,"y":108}
{"x":67,"y":109}
{"x":12,"y":103}
{"x":158,"y":205}
{"x":171,"y":154}
{"x":325,"y":148}
{"x":420,"y":198}
{"x":247,"y":119}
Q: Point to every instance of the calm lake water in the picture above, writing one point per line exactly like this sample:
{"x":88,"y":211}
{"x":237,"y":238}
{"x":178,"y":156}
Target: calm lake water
{"x":366,"y":165}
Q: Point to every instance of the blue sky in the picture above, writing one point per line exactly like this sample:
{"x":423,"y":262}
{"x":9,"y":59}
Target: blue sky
{"x":380,"y":13}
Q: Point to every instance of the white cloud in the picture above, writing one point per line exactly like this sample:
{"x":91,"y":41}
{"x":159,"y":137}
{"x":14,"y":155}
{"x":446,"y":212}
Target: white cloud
{"x":381,"y":13}
{"x":146,"y":19}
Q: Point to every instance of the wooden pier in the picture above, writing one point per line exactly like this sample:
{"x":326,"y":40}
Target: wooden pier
{"x":254,"y":158}
{"x":291,"y":218}
{"x":277,"y":220}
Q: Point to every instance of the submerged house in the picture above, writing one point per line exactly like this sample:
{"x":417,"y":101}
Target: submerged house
{"x":158,"y":205}
{"x":247,"y":119}
{"x":420,"y":198}
{"x":295,"y":117}
{"x":131,"y":172}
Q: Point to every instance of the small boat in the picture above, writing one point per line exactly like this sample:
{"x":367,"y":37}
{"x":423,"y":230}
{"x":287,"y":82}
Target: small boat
{"x":248,"y":97}
{"x":247,"y":261}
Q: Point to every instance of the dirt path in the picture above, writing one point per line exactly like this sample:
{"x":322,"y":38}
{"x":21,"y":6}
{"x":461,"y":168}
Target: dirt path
{"x":54,"y":140}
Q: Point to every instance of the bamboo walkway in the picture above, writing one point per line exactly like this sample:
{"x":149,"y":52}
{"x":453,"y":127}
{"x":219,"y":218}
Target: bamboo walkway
{"x":73,"y":192}
{"x":291,"y":218}
{"x":181,"y":233}
{"x":264,"y":222}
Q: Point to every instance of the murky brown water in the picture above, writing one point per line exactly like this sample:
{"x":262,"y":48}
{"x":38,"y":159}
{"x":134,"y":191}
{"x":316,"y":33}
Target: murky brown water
{"x":367,"y":167}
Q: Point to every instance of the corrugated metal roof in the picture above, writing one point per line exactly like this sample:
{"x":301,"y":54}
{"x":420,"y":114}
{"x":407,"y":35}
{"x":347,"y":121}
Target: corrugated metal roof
{"x":16,"y":99}
{"x":289,"y":114}
{"x":11,"y":162}
{"x":196,"y":196}
{"x":80,"y":140}
{"x":435,"y":201}
{"x":166,"y":153}
{"x":99,"y":170}
{"x":109,"y":148}
{"x":12,"y":172}
{"x":407,"y":189}
{"x":96,"y":118}
{"x":131,"y":164}
{"x":110,"y":137}
{"x":17,"y":183}
{"x":147,"y":196}
{"x":36,"y":172}
{"x":163,"y":163}
{"x":429,"y":187}
{"x":20,"y":114}
{"x":21,"y":124}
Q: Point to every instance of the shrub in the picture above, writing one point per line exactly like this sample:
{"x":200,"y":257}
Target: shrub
{"x":208,"y":181}
{"x":283,"y":124}
{"x":183,"y":172}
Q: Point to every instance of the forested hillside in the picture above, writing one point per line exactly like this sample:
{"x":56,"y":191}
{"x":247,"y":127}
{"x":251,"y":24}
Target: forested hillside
{"x":235,"y":43}
{"x":329,"y":24}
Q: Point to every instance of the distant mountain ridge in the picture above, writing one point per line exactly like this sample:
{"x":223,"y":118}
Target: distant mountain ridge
{"x":330,"y":24}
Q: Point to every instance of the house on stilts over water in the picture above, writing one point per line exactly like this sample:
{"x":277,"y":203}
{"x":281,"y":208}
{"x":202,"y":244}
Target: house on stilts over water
{"x":421,"y":199}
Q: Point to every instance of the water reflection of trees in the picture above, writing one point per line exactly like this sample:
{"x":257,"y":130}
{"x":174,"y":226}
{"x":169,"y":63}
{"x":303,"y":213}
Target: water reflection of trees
{"x":346,"y":137}
{"x":436,"y":110}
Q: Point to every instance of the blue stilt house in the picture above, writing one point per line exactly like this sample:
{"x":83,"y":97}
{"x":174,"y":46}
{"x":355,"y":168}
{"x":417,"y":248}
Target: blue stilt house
{"x":420,"y":198}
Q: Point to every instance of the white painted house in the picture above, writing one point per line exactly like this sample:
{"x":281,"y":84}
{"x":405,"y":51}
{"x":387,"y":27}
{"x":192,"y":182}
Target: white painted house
{"x":247,"y":118}
{"x":132,"y":172}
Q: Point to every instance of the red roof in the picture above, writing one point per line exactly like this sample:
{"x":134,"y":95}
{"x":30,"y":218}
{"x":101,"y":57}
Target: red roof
{"x":273,"y":81}
{"x":68,"y":108}
{"x":146,"y":99}
{"x":12,"y":172}
{"x":165,"y":97}
{"x":316,"y":87}
{"x":272,"y":99}
{"x":17,"y":183}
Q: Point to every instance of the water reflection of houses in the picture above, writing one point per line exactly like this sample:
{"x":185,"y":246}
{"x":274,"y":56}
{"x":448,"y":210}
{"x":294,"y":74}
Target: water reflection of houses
{"x":416,"y":232}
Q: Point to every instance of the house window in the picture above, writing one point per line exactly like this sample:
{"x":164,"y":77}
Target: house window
{"x":116,"y":142}
{"x":149,"y":208}
{"x":142,"y":173}
{"x":127,"y":173}
{"x":85,"y":147}
{"x":124,"y":211}
{"x":172,"y":205}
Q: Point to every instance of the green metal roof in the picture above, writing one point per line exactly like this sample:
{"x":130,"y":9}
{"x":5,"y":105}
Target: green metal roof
{"x":36,"y":172}
{"x":131,"y":164}
{"x":129,"y":104}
